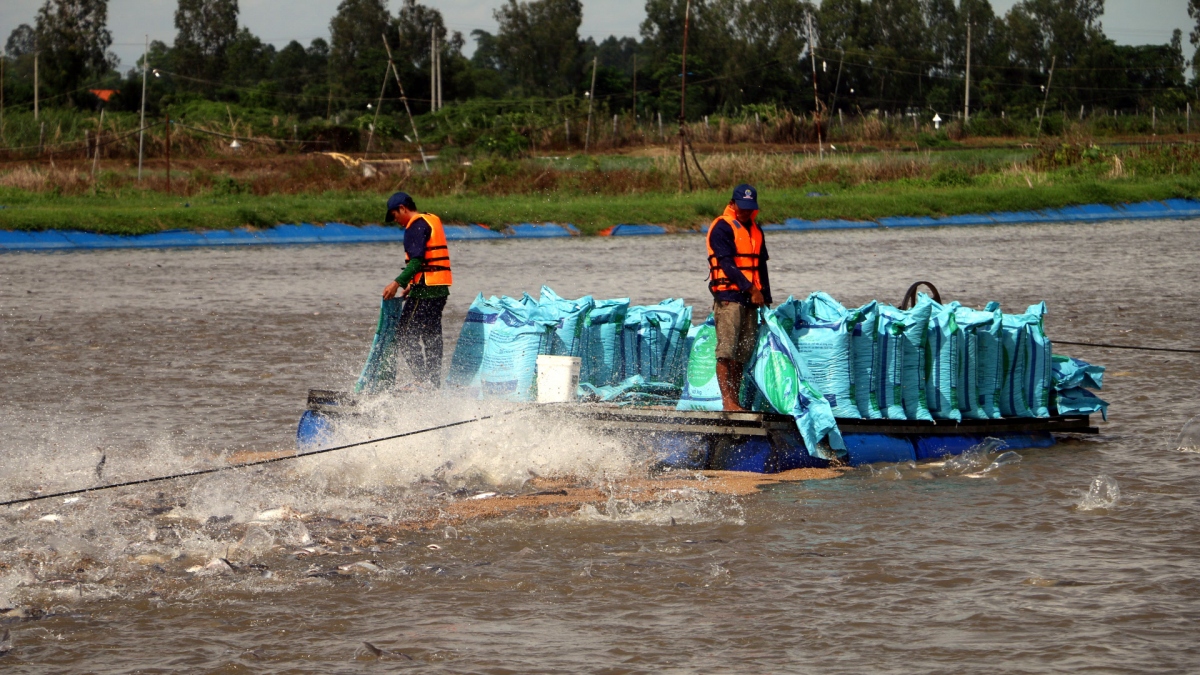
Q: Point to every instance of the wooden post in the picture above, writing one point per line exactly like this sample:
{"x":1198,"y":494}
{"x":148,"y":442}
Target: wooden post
{"x":2,"y":60}
{"x":567,"y":124}
{"x":168,"y":155}
{"x":687,"y":12}
{"x":634,"y":91}
{"x":967,"y":93}
{"x":142,"y":122}
{"x":35,"y":83}
{"x":1049,"y":80}
{"x":812,"y":57}
{"x":96,"y":153}
{"x":404,"y":99}
{"x":587,"y":140}
{"x":432,"y":70}
{"x":661,"y":135}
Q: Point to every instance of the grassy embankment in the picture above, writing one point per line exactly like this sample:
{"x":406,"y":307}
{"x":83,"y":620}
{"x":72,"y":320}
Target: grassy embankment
{"x":595,"y":192}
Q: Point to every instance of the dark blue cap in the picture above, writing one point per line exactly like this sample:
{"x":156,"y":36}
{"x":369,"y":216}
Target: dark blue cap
{"x":746,"y":197}
{"x":396,"y":201}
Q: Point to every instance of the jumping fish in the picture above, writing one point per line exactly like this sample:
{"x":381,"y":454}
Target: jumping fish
{"x":51,"y":518}
{"x":100,"y":466}
{"x":380,"y":653}
{"x":6,"y":643}
{"x":281,"y":513}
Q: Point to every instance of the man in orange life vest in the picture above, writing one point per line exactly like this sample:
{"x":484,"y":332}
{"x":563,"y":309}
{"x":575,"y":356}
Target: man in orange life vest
{"x":426,"y":283}
{"x":737,"y":278}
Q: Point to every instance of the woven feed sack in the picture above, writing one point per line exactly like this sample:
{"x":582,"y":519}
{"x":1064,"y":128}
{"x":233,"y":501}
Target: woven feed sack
{"x":516,"y":339}
{"x":647,"y":338}
{"x":781,"y":376}
{"x":569,"y":316}
{"x":1015,"y":351}
{"x":379,"y":372}
{"x":468,"y":351}
{"x":602,"y":354}
{"x":1068,"y":373}
{"x":1041,"y":363}
{"x":1080,"y":401}
{"x":675,"y":360}
{"x":821,"y":336}
{"x":700,"y":388}
{"x":863,"y":322}
{"x":944,"y":366}
{"x":990,"y":367}
{"x":916,"y":329}
{"x":888,"y":374}
{"x":973,"y":326}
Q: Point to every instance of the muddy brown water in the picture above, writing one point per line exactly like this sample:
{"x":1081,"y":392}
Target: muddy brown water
{"x":169,"y":360}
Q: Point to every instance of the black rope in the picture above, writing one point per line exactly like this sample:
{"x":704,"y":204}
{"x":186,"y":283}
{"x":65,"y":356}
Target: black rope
{"x":1142,"y":349}
{"x":231,"y":467}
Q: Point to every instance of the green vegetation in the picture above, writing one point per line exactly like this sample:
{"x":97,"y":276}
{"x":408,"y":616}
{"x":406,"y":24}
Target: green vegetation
{"x":597,"y":192}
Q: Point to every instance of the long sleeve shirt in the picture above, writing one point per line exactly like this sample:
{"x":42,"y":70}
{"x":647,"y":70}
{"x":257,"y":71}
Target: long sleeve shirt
{"x":416,"y":237}
{"x":725,"y":250}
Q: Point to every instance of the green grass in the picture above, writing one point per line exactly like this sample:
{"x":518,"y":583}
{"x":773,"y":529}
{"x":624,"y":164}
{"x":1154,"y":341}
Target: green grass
{"x":135,"y":212}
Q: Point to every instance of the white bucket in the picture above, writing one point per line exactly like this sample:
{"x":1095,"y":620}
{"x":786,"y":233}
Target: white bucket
{"x":557,"y":378}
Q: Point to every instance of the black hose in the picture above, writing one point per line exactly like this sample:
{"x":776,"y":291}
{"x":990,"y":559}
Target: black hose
{"x":1142,"y":349}
{"x":231,"y":467}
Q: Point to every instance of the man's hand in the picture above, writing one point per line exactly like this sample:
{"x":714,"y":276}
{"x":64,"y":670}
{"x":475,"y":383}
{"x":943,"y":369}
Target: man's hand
{"x":389,"y":291}
{"x":756,"y":297}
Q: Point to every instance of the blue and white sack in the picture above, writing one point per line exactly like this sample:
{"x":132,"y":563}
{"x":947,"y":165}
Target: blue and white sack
{"x":821,"y":334}
{"x":603,"y":356}
{"x":472,"y":338}
{"x":569,"y":316}
{"x":945,"y":366}
{"x":1069,"y":372}
{"x":700,"y":388}
{"x":863,"y":322}
{"x":1041,"y":377}
{"x":978,"y":361}
{"x":516,"y":339}
{"x":889,"y":362}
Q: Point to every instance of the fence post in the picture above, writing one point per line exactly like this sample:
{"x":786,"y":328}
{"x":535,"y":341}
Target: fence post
{"x":168,"y":155}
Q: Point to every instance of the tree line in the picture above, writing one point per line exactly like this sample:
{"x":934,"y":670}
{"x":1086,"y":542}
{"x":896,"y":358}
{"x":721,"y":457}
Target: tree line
{"x":896,"y":56}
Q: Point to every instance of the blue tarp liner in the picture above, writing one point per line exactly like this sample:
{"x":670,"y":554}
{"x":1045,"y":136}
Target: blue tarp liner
{"x":780,"y":374}
{"x":461,"y":232}
{"x":536,"y":230}
{"x":968,"y":219}
{"x":1183,"y":207}
{"x":700,"y":389}
{"x":908,"y":221}
{"x":468,"y":351}
{"x":1086,"y":212}
{"x":568,"y":317}
{"x":1070,"y":372}
{"x":1144,"y":210}
{"x":636,"y":230}
{"x":379,"y":372}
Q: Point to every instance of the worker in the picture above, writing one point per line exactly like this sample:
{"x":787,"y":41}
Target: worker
{"x":737,"y":279}
{"x":425,"y":284}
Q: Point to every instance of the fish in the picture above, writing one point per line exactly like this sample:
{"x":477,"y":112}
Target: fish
{"x":281,"y":513}
{"x":6,"y":643}
{"x":100,"y":466}
{"x":71,"y":500}
{"x":51,"y":518}
{"x":482,"y":495}
{"x":434,"y":547}
{"x":365,"y":565}
{"x":380,"y":653}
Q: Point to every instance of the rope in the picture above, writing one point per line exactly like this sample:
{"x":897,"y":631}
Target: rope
{"x":231,"y":467}
{"x":1142,"y":349}
{"x":243,"y":139}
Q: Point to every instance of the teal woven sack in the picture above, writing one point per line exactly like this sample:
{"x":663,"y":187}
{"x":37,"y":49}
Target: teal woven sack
{"x":468,"y":351}
{"x":864,"y":322}
{"x":379,"y":372}
{"x":568,"y":316}
{"x":944,"y":367}
{"x":603,"y":354}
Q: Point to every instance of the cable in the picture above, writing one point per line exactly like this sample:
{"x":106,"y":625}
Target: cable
{"x":1143,"y":349}
{"x":231,"y":467}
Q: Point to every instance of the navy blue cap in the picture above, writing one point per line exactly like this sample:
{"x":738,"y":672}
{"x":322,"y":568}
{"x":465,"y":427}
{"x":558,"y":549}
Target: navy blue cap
{"x":396,"y":201}
{"x":746,"y":197}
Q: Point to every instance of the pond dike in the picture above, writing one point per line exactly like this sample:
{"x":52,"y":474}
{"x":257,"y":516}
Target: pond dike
{"x":340,"y":233}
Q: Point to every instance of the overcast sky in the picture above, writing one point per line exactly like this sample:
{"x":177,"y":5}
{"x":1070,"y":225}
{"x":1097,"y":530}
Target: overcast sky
{"x":1126,"y":21}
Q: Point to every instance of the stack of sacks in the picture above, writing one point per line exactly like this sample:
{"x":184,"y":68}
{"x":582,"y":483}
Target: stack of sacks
{"x":569,"y":317}
{"x":1071,"y":380}
{"x":501,"y":338}
{"x":654,"y":339}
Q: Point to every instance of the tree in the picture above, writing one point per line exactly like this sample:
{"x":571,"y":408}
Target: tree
{"x":1193,"y":10}
{"x":205,"y":28}
{"x":412,"y":26}
{"x":73,"y":41}
{"x":21,"y":41}
{"x":538,"y":45}
{"x":357,"y":58}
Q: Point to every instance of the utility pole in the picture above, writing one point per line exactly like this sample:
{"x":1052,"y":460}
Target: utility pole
{"x":967,"y":94}
{"x":635,"y":89}
{"x":812,"y":57}
{"x":404,"y":99}
{"x":1049,"y":80}
{"x":687,"y":11}
{"x":439,"y":72}
{"x":142,"y":123}
{"x":35,"y":81}
{"x":2,"y":60}
{"x":587,"y":139}
{"x":168,"y":155}
{"x":96,"y":154}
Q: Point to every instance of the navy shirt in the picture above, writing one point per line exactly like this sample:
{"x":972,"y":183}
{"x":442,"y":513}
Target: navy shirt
{"x":725,"y":250}
{"x":416,"y":236}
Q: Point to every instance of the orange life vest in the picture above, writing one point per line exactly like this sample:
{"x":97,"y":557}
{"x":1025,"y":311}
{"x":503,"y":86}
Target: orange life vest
{"x":435,"y":270}
{"x":748,"y":241}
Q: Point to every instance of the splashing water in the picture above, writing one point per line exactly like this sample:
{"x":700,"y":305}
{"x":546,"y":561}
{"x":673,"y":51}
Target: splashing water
{"x":1189,"y":436}
{"x":1103,"y":494}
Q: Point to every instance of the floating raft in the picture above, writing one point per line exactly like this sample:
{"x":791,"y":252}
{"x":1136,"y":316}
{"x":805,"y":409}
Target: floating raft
{"x":749,"y":441}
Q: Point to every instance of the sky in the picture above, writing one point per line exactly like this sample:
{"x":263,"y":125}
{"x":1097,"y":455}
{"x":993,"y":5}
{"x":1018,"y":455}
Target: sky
{"x":1125,"y":21}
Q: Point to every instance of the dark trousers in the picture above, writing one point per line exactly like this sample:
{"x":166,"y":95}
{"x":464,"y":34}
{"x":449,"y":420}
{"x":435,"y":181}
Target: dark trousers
{"x":419,"y":333}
